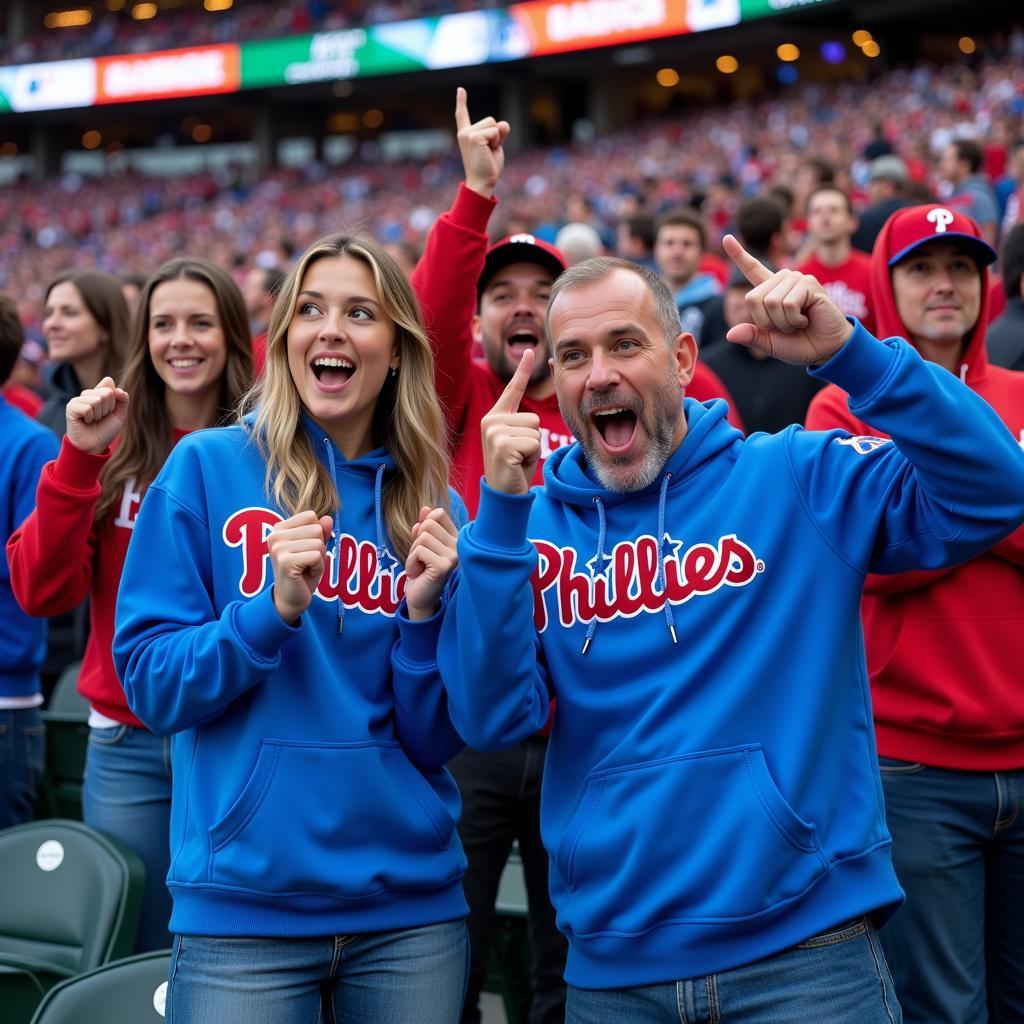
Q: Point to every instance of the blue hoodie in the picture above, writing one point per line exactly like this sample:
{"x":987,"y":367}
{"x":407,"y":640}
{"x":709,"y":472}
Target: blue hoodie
{"x":711,"y":794}
{"x":310,"y":796}
{"x":26,"y":449}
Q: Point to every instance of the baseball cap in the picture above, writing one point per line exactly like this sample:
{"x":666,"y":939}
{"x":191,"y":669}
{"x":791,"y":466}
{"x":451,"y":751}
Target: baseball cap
{"x":888,"y":168}
{"x":915,"y":226}
{"x":519,"y":249}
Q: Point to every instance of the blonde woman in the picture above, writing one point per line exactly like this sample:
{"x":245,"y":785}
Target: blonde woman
{"x":266,"y":618}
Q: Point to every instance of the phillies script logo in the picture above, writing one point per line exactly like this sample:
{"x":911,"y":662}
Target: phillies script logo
{"x":625,"y":583}
{"x":352,"y":571}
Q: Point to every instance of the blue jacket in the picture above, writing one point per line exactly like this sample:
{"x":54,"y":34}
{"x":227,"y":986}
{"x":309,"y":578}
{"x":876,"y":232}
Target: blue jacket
{"x":711,"y":794}
{"x":26,"y":448}
{"x":310,"y":796}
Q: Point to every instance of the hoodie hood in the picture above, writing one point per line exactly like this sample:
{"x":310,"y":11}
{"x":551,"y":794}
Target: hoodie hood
{"x":904,"y":231}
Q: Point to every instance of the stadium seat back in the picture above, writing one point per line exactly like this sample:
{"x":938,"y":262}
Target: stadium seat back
{"x":67,"y":739}
{"x":71,"y":895}
{"x":128,"y":991}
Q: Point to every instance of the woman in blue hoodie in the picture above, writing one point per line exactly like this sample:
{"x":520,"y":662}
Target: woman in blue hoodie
{"x":266,"y":619}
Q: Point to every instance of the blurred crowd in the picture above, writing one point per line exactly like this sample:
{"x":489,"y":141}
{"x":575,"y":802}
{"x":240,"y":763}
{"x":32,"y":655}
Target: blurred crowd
{"x":117,"y":32}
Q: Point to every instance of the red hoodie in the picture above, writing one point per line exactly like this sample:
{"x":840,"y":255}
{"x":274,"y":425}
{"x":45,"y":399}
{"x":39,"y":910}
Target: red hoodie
{"x":58,"y":556}
{"x":945,"y":648}
{"x":445,"y":284}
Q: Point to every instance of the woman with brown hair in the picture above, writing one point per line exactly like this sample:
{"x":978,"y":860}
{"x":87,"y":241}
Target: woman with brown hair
{"x":85,"y":324}
{"x":188,"y":365}
{"x":279,"y":613}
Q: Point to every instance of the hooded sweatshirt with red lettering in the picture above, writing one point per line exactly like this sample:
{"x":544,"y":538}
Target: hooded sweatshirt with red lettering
{"x":445,"y":281}
{"x":60,"y":555}
{"x":944,"y":648}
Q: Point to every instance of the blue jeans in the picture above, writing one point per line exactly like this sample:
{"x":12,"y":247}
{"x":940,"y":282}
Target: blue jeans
{"x":412,"y":976}
{"x":22,"y":759}
{"x":956,"y":947}
{"x":838,"y":976}
{"x":127,"y":794}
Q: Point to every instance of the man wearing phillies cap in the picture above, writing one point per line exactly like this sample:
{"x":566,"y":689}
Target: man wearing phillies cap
{"x":944,"y":652}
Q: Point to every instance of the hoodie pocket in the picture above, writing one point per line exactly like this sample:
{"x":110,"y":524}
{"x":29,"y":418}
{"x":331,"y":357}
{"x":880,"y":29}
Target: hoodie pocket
{"x":347,"y":819}
{"x":695,"y":838}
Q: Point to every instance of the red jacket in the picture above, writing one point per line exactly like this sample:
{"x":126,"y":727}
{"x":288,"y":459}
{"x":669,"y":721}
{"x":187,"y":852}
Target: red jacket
{"x":445,"y":283}
{"x":945,"y":648}
{"x":58,"y":556}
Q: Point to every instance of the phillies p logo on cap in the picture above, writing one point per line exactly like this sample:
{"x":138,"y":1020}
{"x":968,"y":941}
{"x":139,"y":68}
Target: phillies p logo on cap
{"x":941,"y":218}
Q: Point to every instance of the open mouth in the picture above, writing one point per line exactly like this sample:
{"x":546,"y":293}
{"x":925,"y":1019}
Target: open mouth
{"x":520,"y":340}
{"x":332,"y":371}
{"x":616,"y":425}
{"x":182,"y":363}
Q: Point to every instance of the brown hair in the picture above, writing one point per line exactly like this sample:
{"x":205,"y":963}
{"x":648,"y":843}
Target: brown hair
{"x":146,"y":439}
{"x":12,"y":336}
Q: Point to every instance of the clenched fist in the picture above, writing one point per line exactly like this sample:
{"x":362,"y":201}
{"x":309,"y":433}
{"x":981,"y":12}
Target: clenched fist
{"x":298,"y":547}
{"x":96,"y":416}
{"x":432,"y":557}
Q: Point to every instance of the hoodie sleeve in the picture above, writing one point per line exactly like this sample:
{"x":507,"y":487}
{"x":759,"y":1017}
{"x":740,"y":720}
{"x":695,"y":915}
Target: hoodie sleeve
{"x":489,"y":652}
{"x":51,"y":554}
{"x":179,"y":661}
{"x":445,"y":284}
{"x":947,"y":486}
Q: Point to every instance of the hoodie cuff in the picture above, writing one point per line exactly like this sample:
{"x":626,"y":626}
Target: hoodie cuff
{"x":419,"y":637}
{"x":501,"y":519}
{"x":860,"y":366}
{"x":261,"y":628}
{"x":472,"y":210}
{"x":78,"y":470}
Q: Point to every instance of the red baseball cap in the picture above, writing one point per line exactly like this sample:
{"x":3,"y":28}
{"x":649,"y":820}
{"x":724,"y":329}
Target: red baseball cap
{"x":915,"y":226}
{"x":519,"y":249}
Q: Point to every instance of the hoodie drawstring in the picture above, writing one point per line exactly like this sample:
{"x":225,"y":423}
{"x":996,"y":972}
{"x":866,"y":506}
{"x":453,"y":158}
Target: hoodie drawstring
{"x":602,"y":532}
{"x":963,"y":373}
{"x":336,"y":531}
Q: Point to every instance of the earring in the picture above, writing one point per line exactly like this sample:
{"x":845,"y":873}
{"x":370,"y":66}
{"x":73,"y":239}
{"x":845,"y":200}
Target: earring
{"x":394,"y":372}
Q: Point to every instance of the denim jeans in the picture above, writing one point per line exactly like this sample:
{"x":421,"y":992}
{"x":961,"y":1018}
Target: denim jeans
{"x":412,"y":976}
{"x":501,"y":803}
{"x":22,"y":759}
{"x":956,"y":947}
{"x":838,"y":977}
{"x":127,"y":794}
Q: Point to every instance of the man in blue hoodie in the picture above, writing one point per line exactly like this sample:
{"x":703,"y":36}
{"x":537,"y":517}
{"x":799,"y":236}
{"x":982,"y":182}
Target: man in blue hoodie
{"x":711,"y":801}
{"x":26,"y":449}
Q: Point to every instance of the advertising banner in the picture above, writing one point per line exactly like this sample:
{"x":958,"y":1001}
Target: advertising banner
{"x":199,"y":71}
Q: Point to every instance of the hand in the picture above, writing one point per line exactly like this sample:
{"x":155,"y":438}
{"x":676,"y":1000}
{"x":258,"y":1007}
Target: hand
{"x":96,"y":416}
{"x":793,"y":319}
{"x":432,"y":557}
{"x":480,"y":145}
{"x":511,"y":438}
{"x":297,"y":549}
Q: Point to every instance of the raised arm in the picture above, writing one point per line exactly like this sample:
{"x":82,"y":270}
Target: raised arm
{"x":445,"y":277}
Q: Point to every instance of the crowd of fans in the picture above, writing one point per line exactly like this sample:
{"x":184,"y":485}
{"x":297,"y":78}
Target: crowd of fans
{"x":118,"y":32}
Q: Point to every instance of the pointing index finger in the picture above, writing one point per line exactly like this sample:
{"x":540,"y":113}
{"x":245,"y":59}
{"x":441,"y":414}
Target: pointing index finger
{"x":753,"y":269}
{"x":461,"y":110}
{"x":516,"y":387}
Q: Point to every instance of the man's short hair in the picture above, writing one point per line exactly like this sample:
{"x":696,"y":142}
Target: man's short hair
{"x":824,"y":171}
{"x":641,"y":226}
{"x":758,"y":221}
{"x":831,"y":188}
{"x":683,"y":216}
{"x":1012,"y":256}
{"x":592,"y":271}
{"x":12,"y":337}
{"x":970,"y":152}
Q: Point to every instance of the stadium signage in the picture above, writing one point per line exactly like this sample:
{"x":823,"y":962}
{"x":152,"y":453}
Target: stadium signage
{"x":203,"y":70}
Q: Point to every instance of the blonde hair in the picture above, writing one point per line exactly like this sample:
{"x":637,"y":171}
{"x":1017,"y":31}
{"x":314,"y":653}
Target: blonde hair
{"x":407,"y":420}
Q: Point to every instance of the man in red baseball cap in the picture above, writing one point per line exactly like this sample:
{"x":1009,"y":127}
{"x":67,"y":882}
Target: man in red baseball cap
{"x":944,"y":652}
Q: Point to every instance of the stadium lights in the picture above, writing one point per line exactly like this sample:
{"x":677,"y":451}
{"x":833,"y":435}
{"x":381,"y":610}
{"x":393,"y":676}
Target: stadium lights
{"x":68,"y":19}
{"x":9,"y":149}
{"x":91,"y":139}
{"x":218,"y":5}
{"x":667,"y":78}
{"x":862,"y":36}
{"x":143,"y":12}
{"x":967,"y":45}
{"x":871,"y":49}
{"x":116,"y":5}
{"x":373,"y":118}
{"x":202,"y":133}
{"x":788,"y":52}
{"x":727,"y":64}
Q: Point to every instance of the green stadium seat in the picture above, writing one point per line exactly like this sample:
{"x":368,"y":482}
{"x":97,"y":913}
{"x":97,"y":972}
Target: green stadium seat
{"x":71,"y":900}
{"x":128,"y":991}
{"x":67,"y":739}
